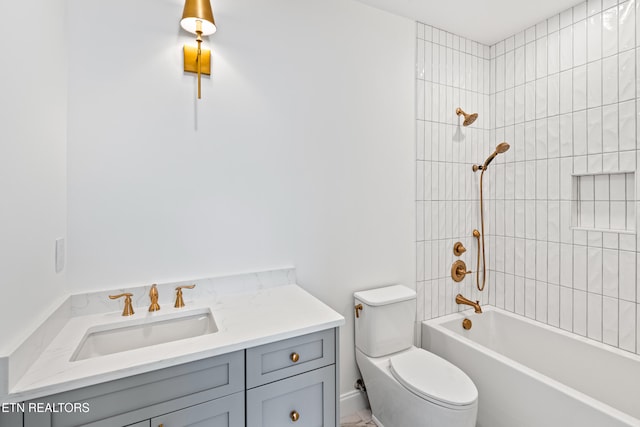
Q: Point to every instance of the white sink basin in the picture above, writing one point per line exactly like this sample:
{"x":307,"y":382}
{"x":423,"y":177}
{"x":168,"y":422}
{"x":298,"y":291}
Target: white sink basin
{"x":103,"y":340}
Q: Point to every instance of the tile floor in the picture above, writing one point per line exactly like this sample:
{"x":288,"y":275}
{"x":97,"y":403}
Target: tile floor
{"x":359,"y":419}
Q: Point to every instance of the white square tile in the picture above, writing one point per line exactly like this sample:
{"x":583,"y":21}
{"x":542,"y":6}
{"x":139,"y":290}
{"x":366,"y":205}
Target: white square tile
{"x":579,"y":135}
{"x":519,"y":295}
{"x":606,"y":4}
{"x":610,"y":321}
{"x":627,"y":242}
{"x":609,"y":32}
{"x":566,"y":48}
{"x":553,"y":95}
{"x":566,"y":234}
{"x":627,"y":276}
{"x":579,"y":11}
{"x":566,"y":18}
{"x":627,"y":325}
{"x":594,"y":130}
{"x":594,"y":270}
{"x":541,"y":260}
{"x":509,"y":64}
{"x":530,"y":101}
{"x":580,"y":88}
{"x":610,"y":128}
{"x":530,"y":34}
{"x":579,"y":43}
{"x":594,"y":37}
{"x":541,"y":139}
{"x":541,"y":301}
{"x":530,"y":61}
{"x":530,"y":259}
{"x":530,"y":298}
{"x":610,"y":80}
{"x":553,"y":305}
{"x":594,"y":84}
{"x":593,"y":6}
{"x":566,"y":308}
{"x":610,"y":162}
{"x":627,"y":76}
{"x":610,"y":241}
{"x":594,"y":316}
{"x":519,"y":65}
{"x":553,"y":23}
{"x":580,"y":312}
{"x":610,"y":273}
{"x":566,"y":91}
{"x":626,"y":25}
{"x":553,"y":51}
{"x":541,"y":57}
{"x":566,"y":135}
{"x":554,"y":263}
{"x":580,"y":268}
{"x":519,"y":39}
{"x":627,"y":123}
{"x":519,"y":249}
{"x":566,"y":260}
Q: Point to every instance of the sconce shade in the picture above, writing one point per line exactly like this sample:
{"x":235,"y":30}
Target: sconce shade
{"x":198,"y":10}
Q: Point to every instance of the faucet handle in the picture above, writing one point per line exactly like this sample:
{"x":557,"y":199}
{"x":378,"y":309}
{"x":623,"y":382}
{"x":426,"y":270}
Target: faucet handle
{"x":128,"y":307}
{"x":179,"y":301}
{"x":153,"y":295}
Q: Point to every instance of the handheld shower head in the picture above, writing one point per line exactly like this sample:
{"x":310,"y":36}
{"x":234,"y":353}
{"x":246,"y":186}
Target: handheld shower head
{"x":501,"y":148}
{"x":468,"y":118}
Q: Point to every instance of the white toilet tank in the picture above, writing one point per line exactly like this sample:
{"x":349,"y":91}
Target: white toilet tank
{"x":385,"y":323}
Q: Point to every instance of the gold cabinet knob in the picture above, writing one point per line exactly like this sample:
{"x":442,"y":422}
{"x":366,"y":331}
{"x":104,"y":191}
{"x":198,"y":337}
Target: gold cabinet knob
{"x":294,"y":357}
{"x":294,"y":415}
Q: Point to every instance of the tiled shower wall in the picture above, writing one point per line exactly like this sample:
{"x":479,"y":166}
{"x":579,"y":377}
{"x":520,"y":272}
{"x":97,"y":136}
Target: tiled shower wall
{"x":452,"y":72}
{"x":564,"y":94}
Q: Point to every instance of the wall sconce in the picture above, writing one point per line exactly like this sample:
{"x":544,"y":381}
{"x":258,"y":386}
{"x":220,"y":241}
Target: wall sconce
{"x":197,"y":18}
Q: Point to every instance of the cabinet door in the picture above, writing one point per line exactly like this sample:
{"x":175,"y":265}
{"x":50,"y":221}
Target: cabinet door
{"x":227,"y":411}
{"x":311,"y":396}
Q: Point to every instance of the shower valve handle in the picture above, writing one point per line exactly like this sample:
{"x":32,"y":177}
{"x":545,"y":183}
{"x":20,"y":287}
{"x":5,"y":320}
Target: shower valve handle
{"x":459,"y":270}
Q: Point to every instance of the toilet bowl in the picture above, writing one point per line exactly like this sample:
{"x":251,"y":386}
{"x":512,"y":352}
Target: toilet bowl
{"x":407,"y":386}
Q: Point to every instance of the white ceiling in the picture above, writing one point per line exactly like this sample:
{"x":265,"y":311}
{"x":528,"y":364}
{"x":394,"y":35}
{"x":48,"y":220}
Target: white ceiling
{"x":485,"y":21}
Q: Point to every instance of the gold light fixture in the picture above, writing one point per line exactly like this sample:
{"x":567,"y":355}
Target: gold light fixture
{"x":197,"y":18}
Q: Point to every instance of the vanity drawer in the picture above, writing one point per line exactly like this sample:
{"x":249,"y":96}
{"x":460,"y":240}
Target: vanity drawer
{"x":310,"y":397}
{"x":144,"y":396}
{"x":226,"y":411}
{"x":282,"y":359}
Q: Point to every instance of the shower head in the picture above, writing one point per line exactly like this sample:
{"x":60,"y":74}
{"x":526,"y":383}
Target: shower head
{"x":468,"y":118}
{"x":501,"y":148}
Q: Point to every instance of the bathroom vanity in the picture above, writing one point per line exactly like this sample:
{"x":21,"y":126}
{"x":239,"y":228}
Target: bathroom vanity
{"x":282,"y":370}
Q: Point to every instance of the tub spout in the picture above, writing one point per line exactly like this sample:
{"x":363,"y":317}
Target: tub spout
{"x":462,"y":300}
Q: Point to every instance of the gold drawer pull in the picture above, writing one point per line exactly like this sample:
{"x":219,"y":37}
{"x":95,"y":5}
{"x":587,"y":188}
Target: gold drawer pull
{"x":294,"y":358}
{"x":294,"y":415}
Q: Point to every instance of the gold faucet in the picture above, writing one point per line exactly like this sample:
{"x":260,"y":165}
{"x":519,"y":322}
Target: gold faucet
{"x":179,"y":300}
{"x":128,"y":307}
{"x":153,"y":294}
{"x":462,"y":300}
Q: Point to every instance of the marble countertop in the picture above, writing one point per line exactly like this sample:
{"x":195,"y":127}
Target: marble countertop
{"x":244,"y":320}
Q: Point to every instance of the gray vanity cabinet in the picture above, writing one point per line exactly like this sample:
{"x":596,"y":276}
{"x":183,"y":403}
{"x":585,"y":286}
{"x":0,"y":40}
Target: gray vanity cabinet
{"x":293,"y":382}
{"x":293,"y":376}
{"x":143,"y":397}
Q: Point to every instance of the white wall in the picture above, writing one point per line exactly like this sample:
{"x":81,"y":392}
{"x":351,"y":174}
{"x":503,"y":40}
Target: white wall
{"x":33,"y":112}
{"x":300,"y":152}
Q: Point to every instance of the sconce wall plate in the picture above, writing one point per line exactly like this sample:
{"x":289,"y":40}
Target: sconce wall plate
{"x":191,"y":60}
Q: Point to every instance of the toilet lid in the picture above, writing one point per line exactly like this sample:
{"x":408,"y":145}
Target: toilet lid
{"x":433,"y":378}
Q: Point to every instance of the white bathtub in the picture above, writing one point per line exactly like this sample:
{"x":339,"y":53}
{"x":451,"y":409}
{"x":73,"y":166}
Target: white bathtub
{"x":532,"y":375}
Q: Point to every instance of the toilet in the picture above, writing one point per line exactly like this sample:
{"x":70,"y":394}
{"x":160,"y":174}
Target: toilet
{"x":406,"y":385}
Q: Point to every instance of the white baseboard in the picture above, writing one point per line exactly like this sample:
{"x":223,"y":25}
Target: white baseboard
{"x":352,"y":402}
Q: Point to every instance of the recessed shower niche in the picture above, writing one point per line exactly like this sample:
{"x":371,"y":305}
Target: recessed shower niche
{"x":604,"y":202}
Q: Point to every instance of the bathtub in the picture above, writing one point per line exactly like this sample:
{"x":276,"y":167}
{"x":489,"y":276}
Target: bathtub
{"x":532,"y":375}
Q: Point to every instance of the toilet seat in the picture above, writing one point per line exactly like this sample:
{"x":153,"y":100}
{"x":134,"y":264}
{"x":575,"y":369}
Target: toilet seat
{"x":433,"y":378}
